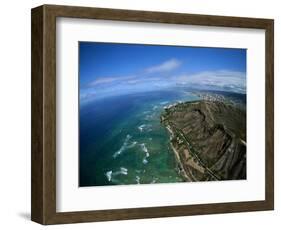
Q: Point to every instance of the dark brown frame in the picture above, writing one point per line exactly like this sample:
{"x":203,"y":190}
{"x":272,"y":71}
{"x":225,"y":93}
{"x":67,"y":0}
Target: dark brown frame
{"x":43,"y":188}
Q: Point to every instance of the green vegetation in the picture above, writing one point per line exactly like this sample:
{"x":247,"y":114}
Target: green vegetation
{"x":210,"y":138}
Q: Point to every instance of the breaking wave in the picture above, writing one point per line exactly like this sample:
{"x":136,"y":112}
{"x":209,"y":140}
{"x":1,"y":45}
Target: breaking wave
{"x":154,"y":181}
{"x":141,"y":127}
{"x":145,"y":150}
{"x":138,"y":179}
{"x":131,"y":145}
{"x":144,"y":161}
{"x":110,"y":174}
{"x":144,"y":127}
{"x":125,"y":146}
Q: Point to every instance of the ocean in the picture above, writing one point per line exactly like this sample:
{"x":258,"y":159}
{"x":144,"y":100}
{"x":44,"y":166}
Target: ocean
{"x":122,"y":142}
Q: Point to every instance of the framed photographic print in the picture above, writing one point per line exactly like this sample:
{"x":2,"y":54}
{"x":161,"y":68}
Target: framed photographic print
{"x":141,"y":114}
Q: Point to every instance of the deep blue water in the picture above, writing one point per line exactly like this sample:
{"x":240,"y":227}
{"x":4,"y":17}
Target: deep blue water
{"x":121,"y":140}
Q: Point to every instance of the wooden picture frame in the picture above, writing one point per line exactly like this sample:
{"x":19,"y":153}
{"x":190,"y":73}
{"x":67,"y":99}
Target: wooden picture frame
{"x":43,"y":207}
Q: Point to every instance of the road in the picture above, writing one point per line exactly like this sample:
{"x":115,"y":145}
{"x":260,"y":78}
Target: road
{"x":180,"y":133}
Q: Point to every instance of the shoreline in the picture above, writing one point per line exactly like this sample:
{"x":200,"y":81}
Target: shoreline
{"x":181,"y":169}
{"x":221,"y":141}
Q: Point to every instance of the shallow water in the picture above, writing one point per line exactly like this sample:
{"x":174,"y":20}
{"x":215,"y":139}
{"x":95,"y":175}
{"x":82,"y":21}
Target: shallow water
{"x":123,"y":142}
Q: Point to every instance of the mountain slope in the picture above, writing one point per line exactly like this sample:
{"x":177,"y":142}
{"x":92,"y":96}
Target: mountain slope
{"x":209,"y":139}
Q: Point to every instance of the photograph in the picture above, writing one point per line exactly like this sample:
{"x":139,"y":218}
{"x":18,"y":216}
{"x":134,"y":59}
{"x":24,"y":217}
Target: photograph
{"x":161,"y":114}
{"x":141,"y":114}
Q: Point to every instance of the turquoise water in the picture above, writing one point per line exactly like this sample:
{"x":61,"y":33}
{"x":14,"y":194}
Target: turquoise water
{"x":122,"y":141}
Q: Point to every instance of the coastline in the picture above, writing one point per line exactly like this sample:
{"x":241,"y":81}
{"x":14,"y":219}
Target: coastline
{"x":206,"y":142}
{"x":184,"y":172}
{"x":178,"y":158}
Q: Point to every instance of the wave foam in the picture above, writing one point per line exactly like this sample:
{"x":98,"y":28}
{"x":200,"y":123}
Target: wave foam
{"x":125,"y":146}
{"x":145,"y":150}
{"x":132,"y":145}
{"x":154,"y":181}
{"x":144,"y":127}
{"x":141,"y":127}
{"x":144,"y":161}
{"x":109,"y":175}
{"x":138,"y":179}
{"x":123,"y":171}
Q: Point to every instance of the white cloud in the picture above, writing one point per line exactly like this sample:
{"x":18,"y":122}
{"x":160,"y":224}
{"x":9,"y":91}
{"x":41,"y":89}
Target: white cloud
{"x":107,"y":80}
{"x":222,"y":79}
{"x":134,"y":79}
{"x":164,"y":67}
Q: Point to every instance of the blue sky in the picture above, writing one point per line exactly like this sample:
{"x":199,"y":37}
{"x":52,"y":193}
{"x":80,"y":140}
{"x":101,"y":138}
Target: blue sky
{"x":111,"y":68}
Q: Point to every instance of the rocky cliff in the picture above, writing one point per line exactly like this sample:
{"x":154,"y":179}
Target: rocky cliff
{"x":208,"y":139}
